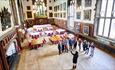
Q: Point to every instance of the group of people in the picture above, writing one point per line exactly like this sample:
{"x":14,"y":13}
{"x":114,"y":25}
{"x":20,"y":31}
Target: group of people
{"x":63,"y":46}
{"x":68,"y":44}
{"x":86,"y":46}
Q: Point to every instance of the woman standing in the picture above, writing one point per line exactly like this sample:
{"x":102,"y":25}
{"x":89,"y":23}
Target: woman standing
{"x":92,"y":49}
{"x":75,"y":57}
{"x":79,"y":44}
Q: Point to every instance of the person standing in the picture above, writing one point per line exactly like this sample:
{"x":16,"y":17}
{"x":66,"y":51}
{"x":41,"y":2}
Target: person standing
{"x":75,"y":57}
{"x":70,"y":44}
{"x":60,"y":47}
{"x":92,"y":49}
{"x":79,"y":44}
{"x":86,"y":48}
{"x":75,"y":44}
{"x":84,"y":45}
{"x":65,"y":45}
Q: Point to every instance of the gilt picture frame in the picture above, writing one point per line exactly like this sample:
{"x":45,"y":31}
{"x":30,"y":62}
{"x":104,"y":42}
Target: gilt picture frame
{"x":86,"y":30}
{"x":77,"y":27}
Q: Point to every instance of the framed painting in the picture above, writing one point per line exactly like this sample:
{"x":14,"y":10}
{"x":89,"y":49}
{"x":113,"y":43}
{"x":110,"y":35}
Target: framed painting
{"x":77,"y":27}
{"x":86,"y":30}
{"x":78,"y":4}
{"x":78,"y":15}
{"x":64,"y":6}
{"x":87,"y":14}
{"x":5,"y":14}
{"x":88,"y":3}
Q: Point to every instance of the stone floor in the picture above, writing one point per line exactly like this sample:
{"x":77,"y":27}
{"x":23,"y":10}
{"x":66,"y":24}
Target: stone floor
{"x":47,"y":58}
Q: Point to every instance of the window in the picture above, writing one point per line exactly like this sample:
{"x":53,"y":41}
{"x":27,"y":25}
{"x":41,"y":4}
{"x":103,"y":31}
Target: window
{"x":101,"y":25}
{"x":28,"y":8}
{"x":50,"y":8}
{"x":109,"y":8}
{"x":103,"y":8}
{"x":106,"y":25}
{"x":29,"y":14}
{"x":87,"y":14}
{"x":78,"y":15}
{"x":112,"y":30}
{"x":88,"y":3}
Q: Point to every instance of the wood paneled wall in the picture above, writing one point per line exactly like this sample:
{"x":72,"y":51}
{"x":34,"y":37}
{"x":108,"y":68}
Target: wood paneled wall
{"x":91,"y":28}
{"x":3,"y":47}
{"x":63,"y":24}
{"x":36,"y":21}
{"x":60,"y":23}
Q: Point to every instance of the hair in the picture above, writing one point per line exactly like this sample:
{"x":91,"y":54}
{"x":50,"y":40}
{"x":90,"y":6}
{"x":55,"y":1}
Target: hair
{"x":76,"y":52}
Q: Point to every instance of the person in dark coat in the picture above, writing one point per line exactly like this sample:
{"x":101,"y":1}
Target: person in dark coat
{"x":84,"y":45}
{"x":60,"y":47}
{"x":87,"y":48}
{"x":63,"y":46}
{"x":70,"y":44}
{"x":75,"y":44}
{"x":75,"y":57}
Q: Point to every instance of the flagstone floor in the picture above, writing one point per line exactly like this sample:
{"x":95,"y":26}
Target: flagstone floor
{"x":47,"y":58}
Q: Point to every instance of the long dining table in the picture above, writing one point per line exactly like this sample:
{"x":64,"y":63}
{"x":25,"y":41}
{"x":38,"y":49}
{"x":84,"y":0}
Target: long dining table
{"x":36,"y":43}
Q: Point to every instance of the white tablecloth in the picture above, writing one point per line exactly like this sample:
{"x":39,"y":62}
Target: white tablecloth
{"x":60,"y":31}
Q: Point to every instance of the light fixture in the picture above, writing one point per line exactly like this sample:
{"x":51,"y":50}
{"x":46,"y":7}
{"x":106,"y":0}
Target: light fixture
{"x":72,"y":1}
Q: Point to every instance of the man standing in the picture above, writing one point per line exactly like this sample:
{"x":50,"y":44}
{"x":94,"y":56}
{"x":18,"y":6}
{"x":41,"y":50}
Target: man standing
{"x":60,"y":47}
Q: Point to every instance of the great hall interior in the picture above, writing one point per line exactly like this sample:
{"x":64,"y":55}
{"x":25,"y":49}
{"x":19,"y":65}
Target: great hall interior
{"x":42,"y":34}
